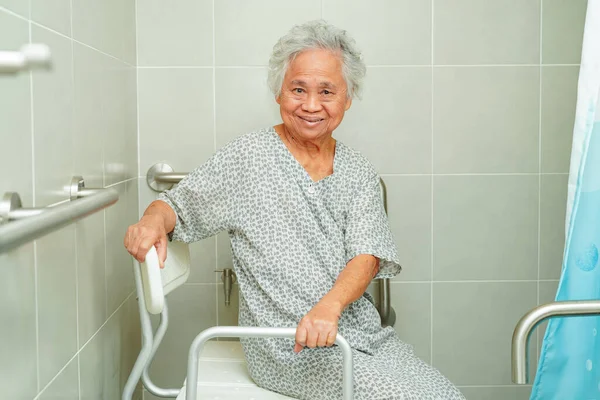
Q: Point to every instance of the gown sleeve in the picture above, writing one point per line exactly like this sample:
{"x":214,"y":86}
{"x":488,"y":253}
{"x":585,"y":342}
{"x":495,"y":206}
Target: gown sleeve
{"x":204,"y":200}
{"x":368,"y":230}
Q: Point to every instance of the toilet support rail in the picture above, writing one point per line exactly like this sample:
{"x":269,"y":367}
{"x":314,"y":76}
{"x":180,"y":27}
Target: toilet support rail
{"x":242,"y":331}
{"x":152,"y":287}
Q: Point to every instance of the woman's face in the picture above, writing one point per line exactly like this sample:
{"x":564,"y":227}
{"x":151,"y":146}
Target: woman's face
{"x":313,"y":96}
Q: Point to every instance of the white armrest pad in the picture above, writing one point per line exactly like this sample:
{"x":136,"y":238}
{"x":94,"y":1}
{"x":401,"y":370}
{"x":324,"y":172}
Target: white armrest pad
{"x":152,"y":283}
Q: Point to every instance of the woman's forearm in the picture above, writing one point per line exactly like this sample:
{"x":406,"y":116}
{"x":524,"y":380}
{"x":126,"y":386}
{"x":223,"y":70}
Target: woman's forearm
{"x":151,"y":230}
{"x":352,"y":282}
{"x":163,"y":210}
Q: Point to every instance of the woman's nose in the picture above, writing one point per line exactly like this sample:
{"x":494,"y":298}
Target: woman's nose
{"x":312,"y":103}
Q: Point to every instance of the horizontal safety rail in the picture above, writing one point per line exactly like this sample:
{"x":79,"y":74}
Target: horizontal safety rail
{"x":20,"y":225}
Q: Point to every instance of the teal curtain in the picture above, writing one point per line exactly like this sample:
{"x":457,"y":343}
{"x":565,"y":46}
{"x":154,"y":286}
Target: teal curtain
{"x":569,"y":365}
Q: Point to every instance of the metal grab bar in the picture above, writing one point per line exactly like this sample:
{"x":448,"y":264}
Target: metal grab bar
{"x":385,"y":309}
{"x":243,"y":331}
{"x":21,"y":225}
{"x":520,"y":339}
{"x":29,"y":56}
{"x":161,"y":177}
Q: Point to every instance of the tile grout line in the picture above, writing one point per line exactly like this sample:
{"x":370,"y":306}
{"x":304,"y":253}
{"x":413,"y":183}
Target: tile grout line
{"x":465,"y":281}
{"x":35,"y":266}
{"x":214,"y":77}
{"x":431,"y":297}
{"x":200,"y":284}
{"x":539,"y":242}
{"x":56,"y":376}
{"x":77,"y":339}
{"x":137,"y":111}
{"x":214,"y":87}
{"x":78,"y":375}
{"x":175,"y":67}
{"x":478,"y":174}
{"x":104,"y":180}
{"x":112,"y":185}
{"x":492,"y":386}
{"x":75,"y":40}
{"x":137,"y":103}
{"x":428,"y":175}
{"x":82,"y":347}
{"x":368,"y":66}
{"x":14,"y":14}
{"x":104,"y":239}
{"x":104,"y":236}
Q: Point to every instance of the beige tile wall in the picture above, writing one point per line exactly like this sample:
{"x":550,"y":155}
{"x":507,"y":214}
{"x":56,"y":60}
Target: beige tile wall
{"x":69,"y":318}
{"x":467,"y":113}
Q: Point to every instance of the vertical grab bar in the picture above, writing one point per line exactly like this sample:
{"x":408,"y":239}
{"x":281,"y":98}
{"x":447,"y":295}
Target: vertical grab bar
{"x":385,"y":309}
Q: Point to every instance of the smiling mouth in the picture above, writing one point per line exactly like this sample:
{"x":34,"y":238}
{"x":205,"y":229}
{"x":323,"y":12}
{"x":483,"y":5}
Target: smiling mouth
{"x":311,"y":120}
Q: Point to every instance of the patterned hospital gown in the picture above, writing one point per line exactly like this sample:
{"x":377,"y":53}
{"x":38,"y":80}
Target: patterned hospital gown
{"x":290,"y":238}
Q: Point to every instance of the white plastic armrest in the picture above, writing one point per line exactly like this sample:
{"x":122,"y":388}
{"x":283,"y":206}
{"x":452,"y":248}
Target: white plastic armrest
{"x":152,"y":282}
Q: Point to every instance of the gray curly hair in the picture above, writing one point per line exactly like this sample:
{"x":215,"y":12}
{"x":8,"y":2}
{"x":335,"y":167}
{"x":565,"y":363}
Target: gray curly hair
{"x":317,"y":35}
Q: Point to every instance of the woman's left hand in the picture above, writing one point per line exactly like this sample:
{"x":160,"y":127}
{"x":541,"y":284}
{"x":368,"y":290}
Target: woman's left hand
{"x":319,"y":327}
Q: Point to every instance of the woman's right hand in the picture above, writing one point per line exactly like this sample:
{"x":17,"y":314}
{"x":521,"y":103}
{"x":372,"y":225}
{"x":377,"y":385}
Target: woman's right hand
{"x":148,"y":232}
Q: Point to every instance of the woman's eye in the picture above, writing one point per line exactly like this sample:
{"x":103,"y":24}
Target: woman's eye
{"x":326,"y":92}
{"x":298,"y":90}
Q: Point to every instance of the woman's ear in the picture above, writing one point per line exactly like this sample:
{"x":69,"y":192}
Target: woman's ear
{"x":348,"y":103}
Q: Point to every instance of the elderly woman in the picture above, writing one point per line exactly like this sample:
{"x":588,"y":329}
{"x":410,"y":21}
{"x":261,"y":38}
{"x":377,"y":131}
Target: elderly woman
{"x":308,"y":232}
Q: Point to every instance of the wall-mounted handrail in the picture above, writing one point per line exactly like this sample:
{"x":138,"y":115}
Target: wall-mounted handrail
{"x":161,"y":177}
{"x":28,"y":57}
{"x":21,"y":225}
{"x":520,"y":339}
{"x":385,"y":309}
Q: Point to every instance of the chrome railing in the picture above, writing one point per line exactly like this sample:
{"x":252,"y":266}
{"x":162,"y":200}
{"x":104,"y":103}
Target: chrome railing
{"x":522,"y":332}
{"x":161,"y":177}
{"x":21,"y":225}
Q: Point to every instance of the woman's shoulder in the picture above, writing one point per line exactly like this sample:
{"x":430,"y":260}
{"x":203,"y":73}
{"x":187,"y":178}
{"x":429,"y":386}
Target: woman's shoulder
{"x":245,"y":144}
{"x":250,"y":138}
{"x":354,"y":163}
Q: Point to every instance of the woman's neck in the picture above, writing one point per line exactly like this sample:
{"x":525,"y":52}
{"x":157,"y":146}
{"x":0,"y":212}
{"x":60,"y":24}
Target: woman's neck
{"x":316,"y":157}
{"x":321,"y":147}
